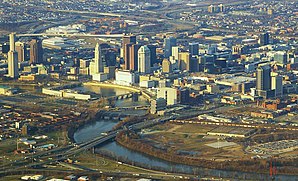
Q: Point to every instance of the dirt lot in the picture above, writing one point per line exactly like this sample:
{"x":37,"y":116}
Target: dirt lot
{"x":193,"y":139}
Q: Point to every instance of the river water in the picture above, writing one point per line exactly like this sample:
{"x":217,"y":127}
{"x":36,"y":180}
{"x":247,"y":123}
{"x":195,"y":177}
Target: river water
{"x":94,"y":129}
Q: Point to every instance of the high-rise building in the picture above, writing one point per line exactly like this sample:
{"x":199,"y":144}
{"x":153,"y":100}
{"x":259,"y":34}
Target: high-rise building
{"x":133,"y":56}
{"x":281,"y":57}
{"x":194,"y":49}
{"x":216,"y":8}
{"x":153,"y":56}
{"x":21,"y":49}
{"x":175,"y":52}
{"x":127,"y":41}
{"x":169,"y":94}
{"x":184,"y":60}
{"x":13,"y":69}
{"x":263,"y":77}
{"x":211,"y":9}
{"x":166,"y":66}
{"x":5,"y":48}
{"x":144,"y":60}
{"x":183,"y":96}
{"x":36,"y":51}
{"x":212,"y":49}
{"x":264,"y":39}
{"x":221,"y":8}
{"x":168,"y":44}
{"x":276,"y":84}
{"x":109,"y":57}
{"x":263,"y":86}
{"x":157,"y":105}
{"x":98,"y":59}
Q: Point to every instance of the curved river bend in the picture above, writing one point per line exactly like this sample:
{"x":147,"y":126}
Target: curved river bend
{"x":94,"y":129}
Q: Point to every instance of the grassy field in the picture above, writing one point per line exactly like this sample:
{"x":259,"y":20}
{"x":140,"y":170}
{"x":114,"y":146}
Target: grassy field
{"x":192,"y":138}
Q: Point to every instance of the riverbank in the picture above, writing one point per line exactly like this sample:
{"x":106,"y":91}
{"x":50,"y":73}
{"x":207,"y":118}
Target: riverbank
{"x":131,"y":141}
{"x":92,"y":116}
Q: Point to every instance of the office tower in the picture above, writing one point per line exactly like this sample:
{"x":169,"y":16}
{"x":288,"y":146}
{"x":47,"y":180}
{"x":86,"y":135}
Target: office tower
{"x":36,"y":52}
{"x":263,"y":87}
{"x":133,"y":56}
{"x":127,"y":41}
{"x":13,"y":69}
{"x":175,"y":52}
{"x":166,"y":66}
{"x":221,"y":8}
{"x":264,"y":39}
{"x":144,"y":60}
{"x":157,"y":105}
{"x":168,"y":44}
{"x":109,"y":57}
{"x":211,"y":9}
{"x":183,"y":96}
{"x":184,"y":60}
{"x":5,"y":48}
{"x":110,"y":71}
{"x":276,"y":84}
{"x":212,"y":49}
{"x":281,"y":57}
{"x":264,"y":77}
{"x":98,"y":61}
{"x":153,"y":57}
{"x":169,"y":94}
{"x":239,"y":49}
{"x":194,"y":49}
{"x":21,"y":49}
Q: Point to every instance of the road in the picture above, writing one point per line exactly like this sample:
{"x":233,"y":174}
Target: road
{"x":62,"y":153}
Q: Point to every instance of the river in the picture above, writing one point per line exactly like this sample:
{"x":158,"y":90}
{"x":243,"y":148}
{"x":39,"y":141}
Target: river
{"x":94,"y":129}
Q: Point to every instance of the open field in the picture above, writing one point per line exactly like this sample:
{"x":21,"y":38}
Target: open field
{"x":195,"y":141}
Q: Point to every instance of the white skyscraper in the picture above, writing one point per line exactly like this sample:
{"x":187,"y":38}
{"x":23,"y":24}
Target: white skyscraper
{"x":98,"y":60}
{"x":13,"y":69}
{"x":276,"y":84}
{"x":96,"y":66}
{"x":144,"y":60}
{"x":175,"y":52}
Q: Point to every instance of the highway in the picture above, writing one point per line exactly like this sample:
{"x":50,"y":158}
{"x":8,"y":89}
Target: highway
{"x":36,"y":160}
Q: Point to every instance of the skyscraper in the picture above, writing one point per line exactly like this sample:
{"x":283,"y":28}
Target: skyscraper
{"x":264,"y":39}
{"x":221,"y":8}
{"x":152,"y":54}
{"x":281,"y":57}
{"x":263,"y":77}
{"x":21,"y":49}
{"x":263,"y":86}
{"x":133,"y":56}
{"x":168,"y":44}
{"x":175,"y":52}
{"x":166,"y":66}
{"x":13,"y":69}
{"x":144,"y":60}
{"x":276,"y":84}
{"x":194,"y":49}
{"x":127,"y":41}
{"x":98,"y":61}
{"x":36,"y":52}
{"x":184,"y":60}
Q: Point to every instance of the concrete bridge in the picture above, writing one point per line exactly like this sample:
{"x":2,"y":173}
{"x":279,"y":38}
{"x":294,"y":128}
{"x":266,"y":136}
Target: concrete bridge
{"x":123,"y":96}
